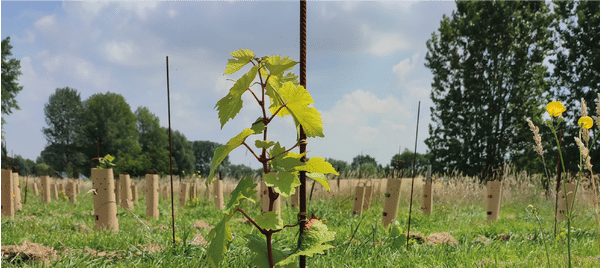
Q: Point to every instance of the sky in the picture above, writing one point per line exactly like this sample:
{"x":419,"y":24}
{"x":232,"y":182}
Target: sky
{"x":365,"y":66}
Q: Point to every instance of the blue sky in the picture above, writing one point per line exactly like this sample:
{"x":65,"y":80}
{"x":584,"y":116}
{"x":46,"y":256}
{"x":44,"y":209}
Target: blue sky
{"x":365,"y":66}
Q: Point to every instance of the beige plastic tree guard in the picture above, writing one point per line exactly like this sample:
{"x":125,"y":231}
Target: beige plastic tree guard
{"x":391,"y":201}
{"x":46,"y":181}
{"x":36,"y":191}
{"x":295,"y":199}
{"x":368,"y":195}
{"x":17,"y":192}
{"x":8,"y":206}
{"x":54,"y":191}
{"x":151,"y":191}
{"x":494,"y":199}
{"x":218,"y":188}
{"x":359,"y":197}
{"x":134,"y":194}
{"x":126,"y":202}
{"x":183,"y":194}
{"x":427,"y":204}
{"x":105,"y":205}
{"x":70,"y":192}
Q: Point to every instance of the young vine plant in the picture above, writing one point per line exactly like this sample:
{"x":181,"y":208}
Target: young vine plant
{"x":280,"y":166}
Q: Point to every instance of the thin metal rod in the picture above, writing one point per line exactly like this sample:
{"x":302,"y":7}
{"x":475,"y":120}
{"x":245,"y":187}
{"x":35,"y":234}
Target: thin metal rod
{"x":412,"y":185}
{"x":170,"y":152}
{"x":302,"y":215}
{"x":558,"y":173}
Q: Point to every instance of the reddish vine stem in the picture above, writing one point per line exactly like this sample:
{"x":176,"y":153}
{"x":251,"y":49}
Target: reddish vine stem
{"x":276,"y":112}
{"x":250,"y":149}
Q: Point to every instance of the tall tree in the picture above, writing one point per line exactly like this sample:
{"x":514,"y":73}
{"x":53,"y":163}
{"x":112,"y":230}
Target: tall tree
{"x":183,"y":154}
{"x":577,"y":70}
{"x":339,"y":165}
{"x":488,"y":77}
{"x":107,"y":118}
{"x":408,"y":158}
{"x":62,"y":112}
{"x":203,"y":154}
{"x":153,"y":140}
{"x":11,"y":70}
{"x":359,"y":160}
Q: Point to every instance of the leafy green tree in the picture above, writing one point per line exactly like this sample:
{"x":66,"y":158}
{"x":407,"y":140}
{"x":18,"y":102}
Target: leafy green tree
{"x":41,"y":169}
{"x":11,"y":70}
{"x":183,"y":154}
{"x":339,"y":165}
{"x":488,"y":77}
{"x":239,"y":171}
{"x":153,"y":140}
{"x":577,"y":71}
{"x":362,"y":159}
{"x":107,"y":118}
{"x":62,"y":112}
{"x":408,"y":158}
{"x":25,"y":166}
{"x":203,"y":154}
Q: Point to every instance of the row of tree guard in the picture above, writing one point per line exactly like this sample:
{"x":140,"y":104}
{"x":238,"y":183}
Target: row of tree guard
{"x":109,"y":192}
{"x":363,"y":193}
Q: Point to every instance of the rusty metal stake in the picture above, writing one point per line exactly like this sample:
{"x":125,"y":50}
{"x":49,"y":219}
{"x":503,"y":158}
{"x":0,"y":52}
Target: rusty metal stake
{"x":412,"y":185}
{"x":170,"y":152}
{"x":302,"y":214}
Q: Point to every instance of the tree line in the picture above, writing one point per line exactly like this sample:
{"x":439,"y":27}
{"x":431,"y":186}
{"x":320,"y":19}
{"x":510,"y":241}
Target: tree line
{"x":78,"y":131}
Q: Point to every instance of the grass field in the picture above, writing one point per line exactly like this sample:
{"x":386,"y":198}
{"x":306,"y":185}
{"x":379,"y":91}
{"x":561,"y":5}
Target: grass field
{"x":64,"y":234}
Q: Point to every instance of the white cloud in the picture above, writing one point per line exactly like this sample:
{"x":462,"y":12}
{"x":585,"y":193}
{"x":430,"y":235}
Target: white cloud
{"x":382,"y":43}
{"x":77,"y":68}
{"x":45,"y":23}
{"x":172,"y":13}
{"x":406,"y":66}
{"x":29,"y":37}
{"x":362,"y":122}
{"x":120,"y":52}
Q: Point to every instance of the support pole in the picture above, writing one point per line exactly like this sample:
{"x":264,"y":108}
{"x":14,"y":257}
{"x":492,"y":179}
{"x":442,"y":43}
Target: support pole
{"x":170,"y":152}
{"x":302,"y":214}
{"x":412,"y":184}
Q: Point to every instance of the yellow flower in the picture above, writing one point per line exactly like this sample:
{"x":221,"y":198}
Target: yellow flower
{"x":585,"y":122}
{"x":555,"y":108}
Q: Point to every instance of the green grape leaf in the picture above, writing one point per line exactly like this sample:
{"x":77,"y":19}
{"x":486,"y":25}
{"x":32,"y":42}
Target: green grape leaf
{"x":230,"y":105}
{"x":258,"y":126}
{"x":269,"y":220}
{"x":290,"y":77}
{"x":289,"y":161}
{"x":396,"y":229}
{"x":276,"y":65}
{"x":297,"y":100}
{"x":242,"y":57}
{"x":284,"y":183}
{"x":312,"y":241}
{"x":263,"y":144}
{"x":276,"y":150}
{"x":219,"y":237}
{"x":320,"y":178}
{"x":246,"y":189}
{"x":223,"y":151}
{"x":258,"y":245}
{"x":399,"y":241}
{"x":318,"y":165}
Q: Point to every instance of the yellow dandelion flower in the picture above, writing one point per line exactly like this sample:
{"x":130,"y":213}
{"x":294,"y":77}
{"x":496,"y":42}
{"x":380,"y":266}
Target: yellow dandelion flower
{"x":555,"y":108}
{"x":585,"y":122}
